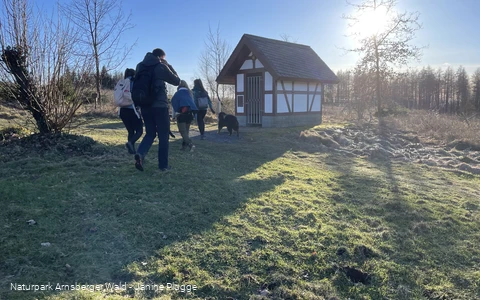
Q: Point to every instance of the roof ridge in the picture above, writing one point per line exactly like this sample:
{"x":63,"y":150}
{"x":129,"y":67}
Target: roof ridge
{"x":274,"y":40}
{"x":281,"y":59}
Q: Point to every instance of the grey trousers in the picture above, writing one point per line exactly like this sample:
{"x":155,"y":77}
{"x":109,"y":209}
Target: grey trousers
{"x":184,"y":129}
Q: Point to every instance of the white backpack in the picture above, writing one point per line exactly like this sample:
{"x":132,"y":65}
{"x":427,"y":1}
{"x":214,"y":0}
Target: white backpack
{"x":122,"y":95}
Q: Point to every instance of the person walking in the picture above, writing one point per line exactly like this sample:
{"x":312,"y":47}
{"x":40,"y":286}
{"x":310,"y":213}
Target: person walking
{"x":184,"y":107}
{"x":131,"y":118}
{"x":203,"y":102}
{"x":156,"y":116}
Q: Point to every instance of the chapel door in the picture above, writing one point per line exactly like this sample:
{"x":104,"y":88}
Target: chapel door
{"x":253,"y":101}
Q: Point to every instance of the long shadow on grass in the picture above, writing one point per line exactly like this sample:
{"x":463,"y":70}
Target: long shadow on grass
{"x":418,"y":249}
{"x":99,"y":214}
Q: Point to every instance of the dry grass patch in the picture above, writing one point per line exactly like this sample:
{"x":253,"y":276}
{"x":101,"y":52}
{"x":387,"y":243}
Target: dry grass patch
{"x":443,"y":128}
{"x":430,"y":125}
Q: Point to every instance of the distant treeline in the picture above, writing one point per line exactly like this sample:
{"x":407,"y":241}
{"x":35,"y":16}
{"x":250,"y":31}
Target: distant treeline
{"x":446,"y":91}
{"x":67,"y":84}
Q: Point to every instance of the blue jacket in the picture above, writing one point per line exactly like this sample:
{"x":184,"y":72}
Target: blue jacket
{"x":183,"y":98}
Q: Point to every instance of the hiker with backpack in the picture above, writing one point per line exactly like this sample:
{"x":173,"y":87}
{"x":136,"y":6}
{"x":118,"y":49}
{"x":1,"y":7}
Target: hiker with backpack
{"x":150,"y":93}
{"x":184,"y":107}
{"x":127,"y":110}
{"x":203,"y":102}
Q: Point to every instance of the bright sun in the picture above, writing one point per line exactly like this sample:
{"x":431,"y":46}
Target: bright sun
{"x":372,"y":22}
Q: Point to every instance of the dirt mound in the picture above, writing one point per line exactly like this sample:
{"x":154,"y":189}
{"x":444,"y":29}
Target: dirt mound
{"x":386,"y":143}
{"x":17,"y":142}
{"x":13,"y":133}
{"x":463,"y":145}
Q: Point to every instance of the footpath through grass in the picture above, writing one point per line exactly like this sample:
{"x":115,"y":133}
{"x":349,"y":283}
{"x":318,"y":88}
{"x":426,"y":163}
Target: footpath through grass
{"x":268,"y":216}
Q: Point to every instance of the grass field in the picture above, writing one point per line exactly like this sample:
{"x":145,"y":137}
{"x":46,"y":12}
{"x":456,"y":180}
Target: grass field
{"x":266,"y":217}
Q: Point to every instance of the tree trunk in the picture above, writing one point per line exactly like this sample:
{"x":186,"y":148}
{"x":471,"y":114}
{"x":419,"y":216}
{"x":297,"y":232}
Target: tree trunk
{"x":98,"y":77}
{"x":446,"y":98}
{"x":377,"y":77}
{"x":16,"y":66}
{"x":219,"y":102}
{"x":97,"y":83}
{"x":338,"y":92}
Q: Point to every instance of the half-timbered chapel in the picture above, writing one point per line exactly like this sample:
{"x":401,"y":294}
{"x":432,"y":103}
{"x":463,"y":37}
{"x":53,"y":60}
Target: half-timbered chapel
{"x":277,"y":83}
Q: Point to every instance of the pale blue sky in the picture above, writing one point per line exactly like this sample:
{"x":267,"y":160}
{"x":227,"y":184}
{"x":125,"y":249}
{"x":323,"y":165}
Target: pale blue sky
{"x":450,"y":28}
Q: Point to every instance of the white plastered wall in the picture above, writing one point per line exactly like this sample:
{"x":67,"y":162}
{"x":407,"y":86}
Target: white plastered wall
{"x":247,"y":64}
{"x":268,"y":103}
{"x":317,"y":100}
{"x":302,"y":99}
{"x":268,"y":81}
{"x":281,"y":104}
{"x":240,"y":85}
{"x":240,"y":89}
{"x":300,"y":103}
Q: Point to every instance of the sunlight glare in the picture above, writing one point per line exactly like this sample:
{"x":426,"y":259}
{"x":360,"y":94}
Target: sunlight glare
{"x":372,"y":22}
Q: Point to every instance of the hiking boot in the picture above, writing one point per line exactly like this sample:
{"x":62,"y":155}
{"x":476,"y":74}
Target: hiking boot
{"x":166,"y":169}
{"x":130,"y":147}
{"x":138,"y":162}
{"x":202,"y":137}
{"x":192,"y":147}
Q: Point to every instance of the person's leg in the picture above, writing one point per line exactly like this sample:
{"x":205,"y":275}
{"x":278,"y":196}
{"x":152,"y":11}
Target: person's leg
{"x":138,"y":129}
{"x":147,"y":141}
{"x":189,"y":140}
{"x":124,"y":116}
{"x":182,"y":130}
{"x":187,"y":132}
{"x":201,"y":124}
{"x":162,"y":119}
{"x":127,"y":120}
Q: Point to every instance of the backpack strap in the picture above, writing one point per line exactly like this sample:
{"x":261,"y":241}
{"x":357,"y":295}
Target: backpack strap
{"x":136,"y":111}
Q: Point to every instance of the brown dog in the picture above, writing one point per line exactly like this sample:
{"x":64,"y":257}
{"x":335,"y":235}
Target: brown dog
{"x":227,"y":120}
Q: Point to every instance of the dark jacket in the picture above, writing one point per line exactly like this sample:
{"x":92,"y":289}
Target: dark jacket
{"x":197,"y":93}
{"x":162,"y":74}
{"x":183,"y":98}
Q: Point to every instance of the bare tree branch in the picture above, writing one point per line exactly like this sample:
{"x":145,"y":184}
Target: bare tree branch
{"x":102,"y":23}
{"x":36,"y":61}
{"x":389,"y":46}
{"x":211,"y":62}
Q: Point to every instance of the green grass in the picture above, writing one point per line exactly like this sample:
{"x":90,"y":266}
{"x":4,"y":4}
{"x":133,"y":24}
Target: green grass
{"x":233,"y":218}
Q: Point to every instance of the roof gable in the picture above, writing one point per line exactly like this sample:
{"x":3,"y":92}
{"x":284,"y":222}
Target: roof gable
{"x":282,"y":59}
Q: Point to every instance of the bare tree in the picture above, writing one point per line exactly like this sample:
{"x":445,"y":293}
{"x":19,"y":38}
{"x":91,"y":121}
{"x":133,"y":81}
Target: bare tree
{"x":442,"y":90}
{"x":389,"y":45}
{"x":35,"y":61}
{"x":102,"y":23}
{"x":449,"y":80}
{"x":427,"y":84}
{"x":476,"y":89}
{"x":362,"y":92}
{"x":462,"y":90}
{"x":287,"y":38}
{"x":212,"y":61}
